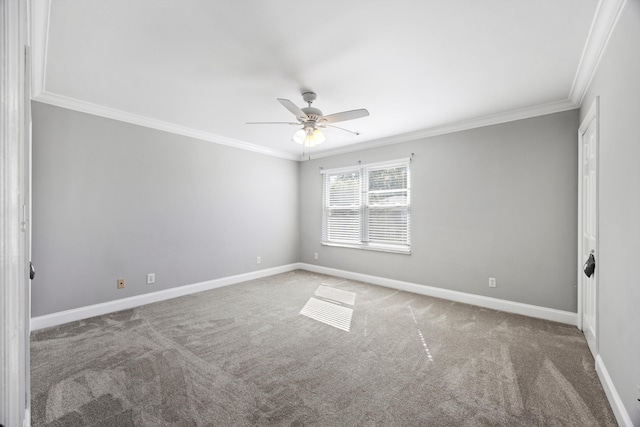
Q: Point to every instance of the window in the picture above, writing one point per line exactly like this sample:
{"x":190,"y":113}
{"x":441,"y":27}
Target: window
{"x":367,"y":206}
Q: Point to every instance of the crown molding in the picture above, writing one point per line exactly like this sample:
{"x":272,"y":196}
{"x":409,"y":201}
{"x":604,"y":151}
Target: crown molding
{"x":40,"y":16}
{"x":604,"y":22}
{"x":492,"y":119}
{"x":123,"y":116}
{"x":39,"y":40}
{"x":111,"y":113}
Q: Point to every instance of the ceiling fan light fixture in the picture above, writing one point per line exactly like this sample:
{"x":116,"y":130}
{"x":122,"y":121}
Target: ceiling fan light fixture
{"x":309,"y":136}
{"x":299,"y":136}
{"x":315,"y":138}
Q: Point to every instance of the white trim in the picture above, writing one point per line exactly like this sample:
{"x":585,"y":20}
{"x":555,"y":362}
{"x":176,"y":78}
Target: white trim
{"x":40,"y":37}
{"x":111,"y":113}
{"x":604,"y":22}
{"x":582,"y":128}
{"x":123,"y":116}
{"x":479,"y":300}
{"x":603,"y":25}
{"x":622,"y":416}
{"x":376,"y":247}
{"x":40,"y":16}
{"x":579,"y":232}
{"x":14,"y":243}
{"x":605,"y":19}
{"x":474,"y":123}
{"x":493,"y":303}
{"x":72,"y":315}
{"x":592,"y":114}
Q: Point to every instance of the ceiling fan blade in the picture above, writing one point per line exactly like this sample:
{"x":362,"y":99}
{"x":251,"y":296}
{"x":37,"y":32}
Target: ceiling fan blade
{"x":345,"y":115}
{"x":273,"y":123}
{"x":338,"y":127}
{"x":300,"y":115}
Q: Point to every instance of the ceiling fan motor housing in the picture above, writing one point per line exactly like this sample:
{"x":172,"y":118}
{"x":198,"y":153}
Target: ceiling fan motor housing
{"x":313,"y":113}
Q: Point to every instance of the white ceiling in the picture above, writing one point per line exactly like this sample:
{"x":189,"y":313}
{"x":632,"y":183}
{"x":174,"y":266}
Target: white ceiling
{"x":421,"y":67}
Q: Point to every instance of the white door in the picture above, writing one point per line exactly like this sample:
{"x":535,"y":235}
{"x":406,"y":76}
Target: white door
{"x":26,"y":229}
{"x":14,"y":210}
{"x":589,"y":226}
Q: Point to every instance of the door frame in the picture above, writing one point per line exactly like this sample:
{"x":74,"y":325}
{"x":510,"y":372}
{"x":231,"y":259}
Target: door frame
{"x":592,"y":114}
{"x":14,"y":214}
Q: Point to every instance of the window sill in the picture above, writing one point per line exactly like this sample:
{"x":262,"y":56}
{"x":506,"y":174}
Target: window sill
{"x":377,"y":248}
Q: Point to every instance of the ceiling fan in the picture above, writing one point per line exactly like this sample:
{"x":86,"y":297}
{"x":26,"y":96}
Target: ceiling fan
{"x":312,"y":120}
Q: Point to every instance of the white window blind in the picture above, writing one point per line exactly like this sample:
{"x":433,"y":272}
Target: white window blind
{"x":368,"y":206}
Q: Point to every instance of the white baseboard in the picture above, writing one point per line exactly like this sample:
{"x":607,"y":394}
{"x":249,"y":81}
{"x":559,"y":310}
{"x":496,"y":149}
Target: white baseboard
{"x":66,"y":316}
{"x":566,"y":317}
{"x":622,"y":416}
{"x":479,"y":300}
{"x":61,"y":317}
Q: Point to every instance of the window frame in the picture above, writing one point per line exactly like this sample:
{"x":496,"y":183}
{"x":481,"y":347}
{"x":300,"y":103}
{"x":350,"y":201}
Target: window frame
{"x":365,"y":207}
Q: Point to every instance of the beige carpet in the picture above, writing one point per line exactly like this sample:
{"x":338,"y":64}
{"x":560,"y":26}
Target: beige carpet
{"x":307,"y":349}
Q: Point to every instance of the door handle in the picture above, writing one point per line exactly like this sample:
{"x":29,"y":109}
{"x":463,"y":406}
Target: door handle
{"x":590,"y":265}
{"x":32,"y":271}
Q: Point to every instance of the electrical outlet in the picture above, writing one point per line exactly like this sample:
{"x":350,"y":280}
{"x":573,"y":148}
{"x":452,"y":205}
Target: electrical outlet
{"x":258,"y":260}
{"x":120,"y":283}
{"x":315,"y":255}
{"x":492,"y":282}
{"x":151,"y":278}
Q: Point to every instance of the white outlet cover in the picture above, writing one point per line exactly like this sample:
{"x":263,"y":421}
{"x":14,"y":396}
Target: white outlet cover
{"x":151,"y":278}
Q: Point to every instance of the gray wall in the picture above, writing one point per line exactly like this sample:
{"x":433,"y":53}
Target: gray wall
{"x":114,"y":200}
{"x":498,"y":201}
{"x":617,"y":83}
